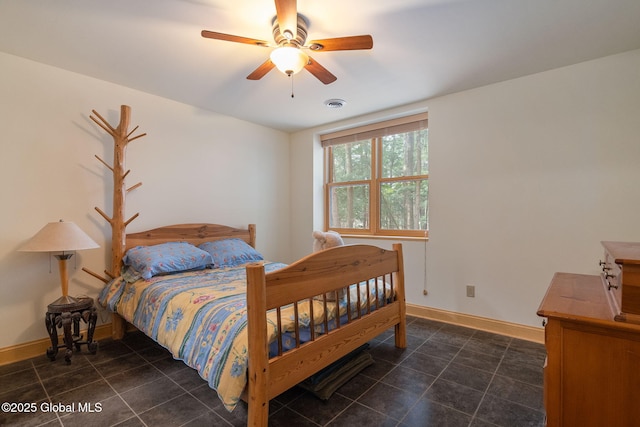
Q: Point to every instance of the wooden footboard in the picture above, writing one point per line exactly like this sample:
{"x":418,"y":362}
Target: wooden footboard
{"x":318,"y":275}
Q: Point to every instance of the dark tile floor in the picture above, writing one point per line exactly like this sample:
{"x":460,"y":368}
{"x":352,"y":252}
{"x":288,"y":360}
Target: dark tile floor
{"x":448,"y":376}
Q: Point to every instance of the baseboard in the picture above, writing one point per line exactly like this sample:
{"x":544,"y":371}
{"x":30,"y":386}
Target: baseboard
{"x":37,"y":348}
{"x":514,"y":330}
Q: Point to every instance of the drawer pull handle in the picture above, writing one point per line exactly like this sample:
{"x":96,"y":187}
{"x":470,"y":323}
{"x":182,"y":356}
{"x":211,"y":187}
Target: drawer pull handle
{"x":604,"y":266}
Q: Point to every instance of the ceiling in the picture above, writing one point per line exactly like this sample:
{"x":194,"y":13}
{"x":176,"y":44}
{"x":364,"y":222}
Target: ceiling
{"x":422,"y":48}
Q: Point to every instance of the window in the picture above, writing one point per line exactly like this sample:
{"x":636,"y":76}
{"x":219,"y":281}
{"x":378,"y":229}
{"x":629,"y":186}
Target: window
{"x":377,"y":178}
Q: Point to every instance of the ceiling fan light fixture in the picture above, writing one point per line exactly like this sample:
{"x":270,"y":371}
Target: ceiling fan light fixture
{"x":288,"y":59}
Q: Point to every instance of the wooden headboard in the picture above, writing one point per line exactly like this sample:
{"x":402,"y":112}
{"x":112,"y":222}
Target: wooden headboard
{"x":192,"y":233}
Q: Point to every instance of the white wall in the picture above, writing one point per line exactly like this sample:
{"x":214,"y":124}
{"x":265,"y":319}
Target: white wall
{"x":195,"y":166}
{"x":526,"y":178}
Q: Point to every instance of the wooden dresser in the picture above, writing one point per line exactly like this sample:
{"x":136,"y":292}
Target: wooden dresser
{"x":592,"y":372}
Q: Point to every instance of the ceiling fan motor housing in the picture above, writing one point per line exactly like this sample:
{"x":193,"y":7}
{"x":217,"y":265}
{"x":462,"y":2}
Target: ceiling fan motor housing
{"x":301,"y":36}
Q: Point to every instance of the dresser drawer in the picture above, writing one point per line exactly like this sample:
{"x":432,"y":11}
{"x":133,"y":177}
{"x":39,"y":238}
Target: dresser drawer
{"x":621,"y":276}
{"x":612,"y":280}
{"x":630,"y":279}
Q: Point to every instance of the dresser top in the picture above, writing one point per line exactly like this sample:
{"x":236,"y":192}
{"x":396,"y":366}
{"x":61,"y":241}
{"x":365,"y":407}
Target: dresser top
{"x":577,"y":296}
{"x":623,"y":252}
{"x":581,"y":298}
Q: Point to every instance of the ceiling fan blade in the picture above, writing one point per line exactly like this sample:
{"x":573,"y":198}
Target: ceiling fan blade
{"x":287,"y":14}
{"x":342,"y":43}
{"x":260,"y":72}
{"x":231,"y":38}
{"x":320,"y":72}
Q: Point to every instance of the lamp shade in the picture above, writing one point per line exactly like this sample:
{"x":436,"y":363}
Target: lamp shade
{"x":59,"y":237}
{"x":288,"y":59}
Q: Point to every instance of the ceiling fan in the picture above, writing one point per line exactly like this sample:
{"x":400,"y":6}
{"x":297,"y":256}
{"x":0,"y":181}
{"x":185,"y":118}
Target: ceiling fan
{"x":290,"y":36}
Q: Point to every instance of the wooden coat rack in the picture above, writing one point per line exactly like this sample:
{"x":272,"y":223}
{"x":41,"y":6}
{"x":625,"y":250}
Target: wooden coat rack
{"x":121,"y":138}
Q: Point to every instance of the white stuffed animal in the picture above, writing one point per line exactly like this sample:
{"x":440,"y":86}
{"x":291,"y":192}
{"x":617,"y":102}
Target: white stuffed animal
{"x":326,"y":240}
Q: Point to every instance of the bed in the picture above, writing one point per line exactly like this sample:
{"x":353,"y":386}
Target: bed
{"x":291,"y":321}
{"x":253,"y":348}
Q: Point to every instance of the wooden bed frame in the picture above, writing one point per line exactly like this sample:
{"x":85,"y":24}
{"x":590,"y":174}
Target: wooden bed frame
{"x":320,"y":273}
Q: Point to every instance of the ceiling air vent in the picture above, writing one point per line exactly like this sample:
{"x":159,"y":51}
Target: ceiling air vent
{"x":335,"y":103}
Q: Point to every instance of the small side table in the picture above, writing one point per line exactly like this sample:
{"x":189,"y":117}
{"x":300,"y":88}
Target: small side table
{"x":64,"y":313}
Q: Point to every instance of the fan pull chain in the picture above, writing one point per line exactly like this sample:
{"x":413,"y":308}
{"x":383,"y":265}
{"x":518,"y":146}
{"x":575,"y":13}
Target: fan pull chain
{"x":291,"y":77}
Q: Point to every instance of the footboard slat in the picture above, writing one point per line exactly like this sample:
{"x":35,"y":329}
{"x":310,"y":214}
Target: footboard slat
{"x":326,"y":317}
{"x":296,"y":325}
{"x":359,"y":304}
{"x":312,"y":322}
{"x":279,"y":330}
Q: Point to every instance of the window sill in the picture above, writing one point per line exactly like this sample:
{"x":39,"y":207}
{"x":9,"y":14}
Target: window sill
{"x":369,"y":236}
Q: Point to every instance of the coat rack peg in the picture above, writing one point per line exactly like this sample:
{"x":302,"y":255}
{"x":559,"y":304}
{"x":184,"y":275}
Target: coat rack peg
{"x":103,"y":215}
{"x":136,"y":137}
{"x":104,"y":163}
{"x":131,"y":219}
{"x":96,"y":275}
{"x":133,"y":187}
{"x":102,"y":123}
{"x":132,"y":131}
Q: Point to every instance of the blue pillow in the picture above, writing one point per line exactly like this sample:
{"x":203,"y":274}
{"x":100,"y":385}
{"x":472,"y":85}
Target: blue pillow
{"x":165,"y":258}
{"x":230,"y":252}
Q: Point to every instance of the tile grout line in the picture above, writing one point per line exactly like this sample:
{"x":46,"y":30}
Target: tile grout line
{"x":33,"y":366}
{"x":136,"y":415}
{"x":486,"y":390}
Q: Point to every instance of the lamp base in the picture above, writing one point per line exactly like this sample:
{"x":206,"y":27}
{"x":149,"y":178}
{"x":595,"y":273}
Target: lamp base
{"x":65,"y":302}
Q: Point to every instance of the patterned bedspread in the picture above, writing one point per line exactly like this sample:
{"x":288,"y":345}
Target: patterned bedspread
{"x":201,"y":318}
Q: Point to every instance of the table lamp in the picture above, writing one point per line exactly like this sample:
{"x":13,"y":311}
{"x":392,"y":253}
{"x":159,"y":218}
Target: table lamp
{"x":65,"y":237}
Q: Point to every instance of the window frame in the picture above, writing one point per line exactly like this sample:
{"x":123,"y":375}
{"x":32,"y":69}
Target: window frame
{"x":373,"y":133}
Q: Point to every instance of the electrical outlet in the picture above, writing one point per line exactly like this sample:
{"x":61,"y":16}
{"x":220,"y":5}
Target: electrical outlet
{"x":471,"y":291}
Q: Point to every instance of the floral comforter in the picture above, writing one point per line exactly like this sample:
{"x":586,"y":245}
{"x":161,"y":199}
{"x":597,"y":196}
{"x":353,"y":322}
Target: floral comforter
{"x":201,"y":318}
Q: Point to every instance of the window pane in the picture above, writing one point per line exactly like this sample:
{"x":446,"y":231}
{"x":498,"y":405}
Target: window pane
{"x":349,"y":206}
{"x":352,"y":162}
{"x":403,"y":205}
{"x":405,"y":154}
